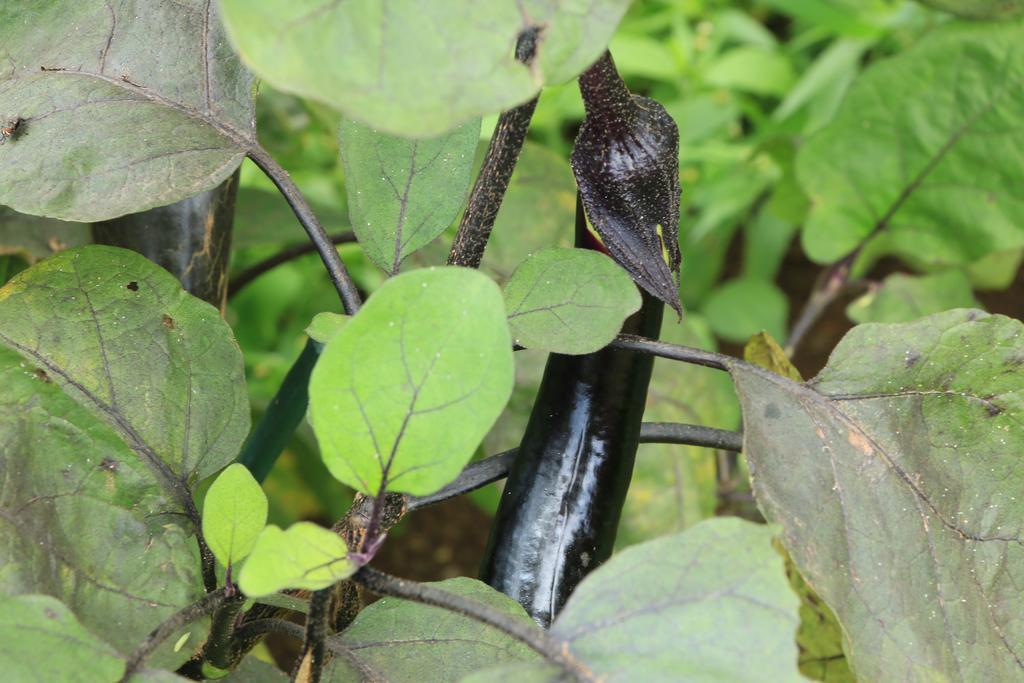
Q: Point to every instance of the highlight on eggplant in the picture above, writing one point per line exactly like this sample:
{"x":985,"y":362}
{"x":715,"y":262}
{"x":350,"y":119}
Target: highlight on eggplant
{"x":626,"y":162}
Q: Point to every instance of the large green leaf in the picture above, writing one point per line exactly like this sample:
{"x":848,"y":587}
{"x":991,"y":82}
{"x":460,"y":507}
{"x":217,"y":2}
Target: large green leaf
{"x":40,"y":640}
{"x":414,"y":68}
{"x":99,"y":450}
{"x":569,"y":301}
{"x":121,"y":337}
{"x":895,"y":474}
{"x":709,"y":604}
{"x":979,"y":9}
{"x":398,"y":641}
{"x":935,"y":172}
{"x":405,"y":392}
{"x":902,"y":298}
{"x":403,"y":193}
{"x":124,"y":105}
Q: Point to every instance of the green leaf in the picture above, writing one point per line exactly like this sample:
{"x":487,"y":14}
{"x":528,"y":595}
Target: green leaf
{"x":674,"y":486}
{"x":740,"y":308}
{"x":42,"y":641}
{"x":933,"y":173}
{"x":979,"y":9}
{"x":895,"y":476}
{"x":995,"y":271}
{"x":417,"y":69}
{"x":325,"y":326}
{"x":304,"y":556}
{"x":538,"y":211}
{"x":100,"y":448}
{"x":902,"y":298}
{"x":34,"y":238}
{"x":398,"y":640}
{"x":709,"y":604}
{"x":123,"y":107}
{"x":184,"y":411}
{"x":403,"y":395}
{"x":403,"y":193}
{"x":570,"y":301}
{"x":751,"y":69}
{"x":763,"y":350}
{"x":819,"y":637}
{"x":234,"y":514}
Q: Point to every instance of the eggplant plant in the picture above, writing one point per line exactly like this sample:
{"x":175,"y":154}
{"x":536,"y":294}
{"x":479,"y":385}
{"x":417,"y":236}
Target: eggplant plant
{"x":861,"y":525}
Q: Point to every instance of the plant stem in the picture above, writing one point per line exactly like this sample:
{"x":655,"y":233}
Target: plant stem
{"x":309,"y":665}
{"x":304,"y":212}
{"x":488,"y":470}
{"x":537,"y":639}
{"x":218,"y":648}
{"x":831,"y":283}
{"x":686,"y":354}
{"x":492,"y":182}
{"x":239,"y":281}
{"x":186,"y":615}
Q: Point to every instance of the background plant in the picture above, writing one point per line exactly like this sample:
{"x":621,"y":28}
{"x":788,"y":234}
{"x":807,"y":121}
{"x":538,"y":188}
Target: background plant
{"x":834,"y":155}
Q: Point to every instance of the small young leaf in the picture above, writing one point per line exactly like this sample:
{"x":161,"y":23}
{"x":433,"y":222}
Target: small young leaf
{"x":325,"y":326}
{"x":413,"y":68}
{"x":569,"y":301}
{"x":121,"y":110}
{"x":929,"y":171}
{"x":397,"y":638}
{"x":42,"y":641}
{"x":763,"y":350}
{"x":903,"y":298}
{"x":896,"y":473}
{"x":234,"y":514}
{"x":304,"y":556}
{"x":403,"y":395}
{"x":403,"y":193}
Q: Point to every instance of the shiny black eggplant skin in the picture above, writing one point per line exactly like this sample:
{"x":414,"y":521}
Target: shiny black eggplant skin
{"x":190,"y":238}
{"x":561,"y":506}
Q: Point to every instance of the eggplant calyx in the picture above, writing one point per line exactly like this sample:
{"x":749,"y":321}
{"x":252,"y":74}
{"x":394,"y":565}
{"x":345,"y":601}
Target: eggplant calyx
{"x":626,"y":163}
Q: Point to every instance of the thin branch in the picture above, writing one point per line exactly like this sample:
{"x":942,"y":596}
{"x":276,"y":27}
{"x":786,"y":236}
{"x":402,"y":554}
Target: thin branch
{"x":335,"y":268}
{"x":492,"y":182}
{"x":540,"y":641}
{"x":831,"y":283}
{"x":686,"y":354}
{"x":691,"y":435}
{"x":238,"y":282}
{"x":483,"y":472}
{"x":186,"y":615}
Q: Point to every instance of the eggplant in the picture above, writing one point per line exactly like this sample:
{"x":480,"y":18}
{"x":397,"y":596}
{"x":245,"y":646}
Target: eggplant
{"x":562,"y":501}
{"x":560,"y":509}
{"x":626,"y":163}
{"x":191,"y":239}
